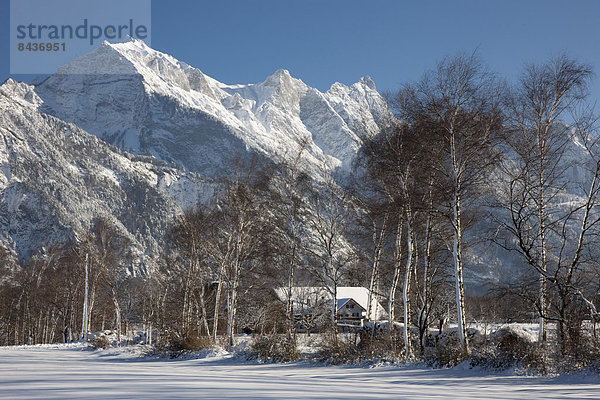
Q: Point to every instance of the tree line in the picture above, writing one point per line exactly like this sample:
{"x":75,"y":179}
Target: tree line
{"x":465,"y":149}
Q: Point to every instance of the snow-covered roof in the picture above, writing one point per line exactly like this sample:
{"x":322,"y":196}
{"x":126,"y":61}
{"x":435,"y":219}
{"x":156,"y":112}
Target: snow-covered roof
{"x":342,"y":302}
{"x":300,"y":294}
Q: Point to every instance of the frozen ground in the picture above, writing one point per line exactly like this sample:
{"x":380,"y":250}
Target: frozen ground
{"x":67,"y":372}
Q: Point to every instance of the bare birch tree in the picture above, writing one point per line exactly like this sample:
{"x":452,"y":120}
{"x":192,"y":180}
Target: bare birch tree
{"x":188,"y":236}
{"x":290,"y":187}
{"x":459,"y":104}
{"x":329,"y":250}
{"x":239,"y":236}
{"x":551,"y":237}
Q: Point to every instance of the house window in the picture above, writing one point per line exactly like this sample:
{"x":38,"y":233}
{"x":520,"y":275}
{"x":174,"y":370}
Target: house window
{"x":352,"y":305}
{"x":347,"y":306}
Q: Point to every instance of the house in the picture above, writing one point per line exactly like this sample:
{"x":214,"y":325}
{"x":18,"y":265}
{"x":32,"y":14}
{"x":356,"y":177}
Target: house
{"x":349,"y":311}
{"x":352,"y":304}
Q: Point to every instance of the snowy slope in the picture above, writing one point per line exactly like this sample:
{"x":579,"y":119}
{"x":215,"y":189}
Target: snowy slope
{"x":55,"y":179}
{"x":148,"y":102}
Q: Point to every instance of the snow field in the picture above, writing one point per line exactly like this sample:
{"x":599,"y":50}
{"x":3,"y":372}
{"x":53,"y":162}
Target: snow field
{"x":71,"y":371}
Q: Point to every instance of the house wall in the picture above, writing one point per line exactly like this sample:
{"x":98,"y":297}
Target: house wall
{"x":350,"y":310}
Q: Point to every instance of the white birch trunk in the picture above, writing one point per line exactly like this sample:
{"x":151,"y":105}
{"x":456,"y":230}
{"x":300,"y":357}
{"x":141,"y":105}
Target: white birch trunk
{"x":117,"y":317}
{"x":292,"y":267}
{"x":234,"y":289}
{"x":218,"y":301}
{"x":458,"y":275}
{"x":85,"y":319}
{"x":406,"y":288}
{"x":334,"y":299}
{"x":394,"y":286}
{"x":372,"y":312}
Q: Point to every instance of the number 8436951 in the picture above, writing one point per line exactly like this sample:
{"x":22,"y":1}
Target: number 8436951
{"x":34,"y":46}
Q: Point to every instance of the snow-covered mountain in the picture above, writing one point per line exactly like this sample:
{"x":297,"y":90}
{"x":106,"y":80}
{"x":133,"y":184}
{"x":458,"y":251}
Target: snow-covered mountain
{"x":147,"y":102}
{"x":55,"y":179}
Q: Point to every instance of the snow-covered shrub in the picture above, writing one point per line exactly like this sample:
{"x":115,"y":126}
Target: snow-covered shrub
{"x":367,"y":345}
{"x":510,"y":347}
{"x":275,"y":348}
{"x":194,"y":343}
{"x":375,"y":344}
{"x":447,"y":350}
{"x":175,"y":345}
{"x":362,"y":346}
{"x":580,"y":352}
{"x":340,"y":351}
{"x":100,"y":342}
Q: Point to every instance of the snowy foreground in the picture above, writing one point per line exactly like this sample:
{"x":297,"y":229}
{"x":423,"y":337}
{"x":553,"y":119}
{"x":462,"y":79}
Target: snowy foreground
{"x":67,"y":372}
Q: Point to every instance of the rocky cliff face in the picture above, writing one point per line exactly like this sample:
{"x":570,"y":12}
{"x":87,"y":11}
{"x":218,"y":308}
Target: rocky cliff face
{"x":55,"y":179}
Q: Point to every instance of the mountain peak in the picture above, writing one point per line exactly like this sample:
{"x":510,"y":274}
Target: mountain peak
{"x":175,"y":112}
{"x":279,"y":77}
{"x":132,"y":46}
{"x":132,"y":56}
{"x":368,"y":82}
{"x":20,"y":92}
{"x":282,"y":82}
{"x":105,"y":60}
{"x":281,"y":72}
{"x":126,"y":39}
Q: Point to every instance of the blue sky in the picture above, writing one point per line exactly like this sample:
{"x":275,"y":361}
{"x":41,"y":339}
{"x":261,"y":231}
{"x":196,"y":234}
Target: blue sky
{"x":324,"y":41}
